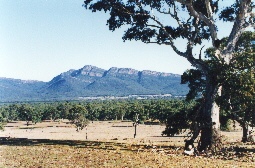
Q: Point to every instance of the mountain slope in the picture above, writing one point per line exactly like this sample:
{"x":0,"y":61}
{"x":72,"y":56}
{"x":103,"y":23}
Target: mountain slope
{"x":93,"y":81}
{"x":19,"y":90}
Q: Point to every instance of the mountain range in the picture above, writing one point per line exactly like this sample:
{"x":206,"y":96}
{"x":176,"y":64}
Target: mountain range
{"x":91,"y":81}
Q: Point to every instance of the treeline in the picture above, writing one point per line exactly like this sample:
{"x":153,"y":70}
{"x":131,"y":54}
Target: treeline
{"x":176,"y":114}
{"x":78,"y":112}
{"x":93,"y":110}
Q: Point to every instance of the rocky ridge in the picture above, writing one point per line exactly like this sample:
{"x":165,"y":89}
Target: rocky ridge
{"x":93,"y":81}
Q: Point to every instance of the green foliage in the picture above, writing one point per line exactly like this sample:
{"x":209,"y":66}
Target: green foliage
{"x":2,"y":122}
{"x":226,"y":125}
{"x":176,"y":114}
{"x":139,"y":16}
{"x":63,"y":110}
{"x":182,"y":118}
{"x":51,"y":113}
{"x":95,"y":110}
{"x":26,"y":113}
{"x":238,"y":82}
{"x":196,"y":83}
{"x":77,"y":115}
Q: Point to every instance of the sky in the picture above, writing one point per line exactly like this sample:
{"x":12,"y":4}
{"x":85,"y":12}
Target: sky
{"x":40,"y":39}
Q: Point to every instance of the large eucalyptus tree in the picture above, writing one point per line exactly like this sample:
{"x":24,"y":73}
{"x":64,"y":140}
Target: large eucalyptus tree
{"x":237,"y":79}
{"x":194,"y":21}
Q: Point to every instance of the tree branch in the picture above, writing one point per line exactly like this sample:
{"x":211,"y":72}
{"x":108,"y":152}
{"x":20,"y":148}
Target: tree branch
{"x":209,"y":9}
{"x":200,"y":64}
{"x":238,"y":27}
{"x":208,"y":21}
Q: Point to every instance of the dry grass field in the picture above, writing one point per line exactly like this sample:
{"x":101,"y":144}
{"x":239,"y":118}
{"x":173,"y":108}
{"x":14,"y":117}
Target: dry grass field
{"x":108,"y":144}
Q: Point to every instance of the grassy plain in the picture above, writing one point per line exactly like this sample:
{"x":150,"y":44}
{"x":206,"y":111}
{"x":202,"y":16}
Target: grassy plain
{"x":109,"y":144}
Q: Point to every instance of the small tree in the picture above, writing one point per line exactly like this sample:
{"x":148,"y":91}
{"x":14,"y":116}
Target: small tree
{"x":63,"y":110}
{"x":10,"y":112}
{"x":51,"y":113}
{"x":37,"y":116}
{"x":26,"y":113}
{"x":93,"y":111}
{"x":77,"y":115}
{"x":2,"y":122}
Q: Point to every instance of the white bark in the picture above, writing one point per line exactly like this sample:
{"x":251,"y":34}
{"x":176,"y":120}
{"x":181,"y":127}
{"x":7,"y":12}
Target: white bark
{"x":215,"y":113}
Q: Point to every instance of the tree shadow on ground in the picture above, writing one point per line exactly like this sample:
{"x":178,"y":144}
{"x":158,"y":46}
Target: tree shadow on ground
{"x":175,"y":136}
{"x":31,"y":142}
{"x":79,"y":144}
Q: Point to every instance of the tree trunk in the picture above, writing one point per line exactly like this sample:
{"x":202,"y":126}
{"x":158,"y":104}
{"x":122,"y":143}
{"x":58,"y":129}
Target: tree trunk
{"x":245,"y":132}
{"x":210,"y":124}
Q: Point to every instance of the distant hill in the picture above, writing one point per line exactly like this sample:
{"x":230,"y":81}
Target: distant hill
{"x":19,"y":90}
{"x":91,"y":81}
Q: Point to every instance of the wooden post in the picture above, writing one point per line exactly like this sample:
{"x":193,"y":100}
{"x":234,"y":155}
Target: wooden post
{"x":135,"y":130}
{"x":86,"y":132}
{"x":136,"y":122}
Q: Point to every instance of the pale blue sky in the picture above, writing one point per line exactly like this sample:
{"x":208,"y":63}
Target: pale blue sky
{"x":40,"y":39}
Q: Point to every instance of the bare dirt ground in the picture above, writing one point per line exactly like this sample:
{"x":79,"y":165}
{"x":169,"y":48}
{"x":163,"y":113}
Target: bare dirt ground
{"x":100,"y":131}
{"x":107,"y":144}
